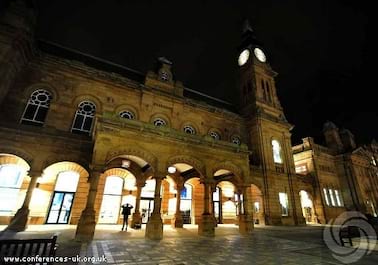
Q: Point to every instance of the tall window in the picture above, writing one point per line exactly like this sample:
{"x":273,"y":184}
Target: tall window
{"x":263,"y":89}
{"x":326,"y":196}
{"x":37,"y":108}
{"x":84,"y":118}
{"x":339,"y":199}
{"x":276,"y":152}
{"x":284,"y":203}
{"x":268,"y":91}
{"x":10,"y":183}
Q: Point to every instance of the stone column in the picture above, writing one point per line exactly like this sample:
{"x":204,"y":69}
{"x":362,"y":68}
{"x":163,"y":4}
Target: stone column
{"x":178,"y":222}
{"x":206,"y":227}
{"x":87,"y":223}
{"x":154,"y":227}
{"x":20,"y":219}
{"x":245,"y":219}
{"x":136,"y":221}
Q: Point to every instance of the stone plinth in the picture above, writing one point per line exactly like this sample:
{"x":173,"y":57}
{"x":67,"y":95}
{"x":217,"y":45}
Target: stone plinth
{"x":86,"y":227}
{"x":20,"y":220}
{"x":245,"y":224}
{"x":154,"y":227}
{"x":136,"y":221}
{"x":177,"y":221}
{"x":206,"y":227}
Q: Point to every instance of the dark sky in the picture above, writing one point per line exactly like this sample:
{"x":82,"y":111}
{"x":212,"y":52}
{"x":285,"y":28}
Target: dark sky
{"x":321,"y":49}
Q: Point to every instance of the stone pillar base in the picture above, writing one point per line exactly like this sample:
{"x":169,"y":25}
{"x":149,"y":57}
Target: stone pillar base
{"x":206,"y":226}
{"x":245,"y":224}
{"x":20,"y":220}
{"x":136,"y":221}
{"x":177,"y":221}
{"x":86,"y":227}
{"x":154,"y":227}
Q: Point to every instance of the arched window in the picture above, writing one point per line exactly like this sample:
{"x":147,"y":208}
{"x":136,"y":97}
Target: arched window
{"x":37,"y":108}
{"x":127,"y":115}
{"x":214,"y":135}
{"x":84,"y":117}
{"x":159,"y":122}
{"x":263,"y":89}
{"x":236,"y":140}
{"x":11,"y":177}
{"x":276,"y":152}
{"x":189,"y":129}
{"x":268,"y":91}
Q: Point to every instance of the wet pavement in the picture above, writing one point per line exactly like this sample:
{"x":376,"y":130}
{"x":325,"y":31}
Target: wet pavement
{"x":267,"y":245}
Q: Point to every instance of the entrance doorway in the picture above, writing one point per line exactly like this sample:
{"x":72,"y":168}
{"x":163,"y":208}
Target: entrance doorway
{"x":60,"y":208}
{"x":146,"y":208}
{"x":307,"y":207}
{"x":186,"y":204}
{"x":111,"y":200}
{"x":61,"y":204}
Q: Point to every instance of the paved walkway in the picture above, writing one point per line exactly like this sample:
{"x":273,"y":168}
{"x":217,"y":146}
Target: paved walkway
{"x":267,"y":245}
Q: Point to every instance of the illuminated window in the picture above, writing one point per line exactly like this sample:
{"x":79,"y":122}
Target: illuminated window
{"x":256,"y":207}
{"x":160,"y":122}
{"x":373,"y":161}
{"x":301,"y":169}
{"x":326,"y":196}
{"x":332,"y":197}
{"x":127,"y":115}
{"x":67,"y":181}
{"x":189,"y":129}
{"x":37,"y":108}
{"x":276,"y":152}
{"x":339,"y":199}
{"x":214,"y":135}
{"x":284,"y":203}
{"x":236,"y":140}
{"x":84,"y":117}
{"x":10,"y":183}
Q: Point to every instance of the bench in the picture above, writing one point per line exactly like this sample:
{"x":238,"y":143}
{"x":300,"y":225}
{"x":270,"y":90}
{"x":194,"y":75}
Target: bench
{"x":347,"y":233}
{"x":43,"y":247}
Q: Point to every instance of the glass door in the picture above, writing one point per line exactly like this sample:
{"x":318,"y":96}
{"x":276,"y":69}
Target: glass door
{"x":110,"y":209}
{"x":60,"y":208}
{"x":146,"y":208}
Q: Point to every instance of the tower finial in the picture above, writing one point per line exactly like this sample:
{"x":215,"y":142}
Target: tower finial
{"x":247,"y":27}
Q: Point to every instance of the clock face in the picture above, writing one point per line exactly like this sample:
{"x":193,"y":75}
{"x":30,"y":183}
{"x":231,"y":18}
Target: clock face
{"x":260,"y":55}
{"x":243,"y":57}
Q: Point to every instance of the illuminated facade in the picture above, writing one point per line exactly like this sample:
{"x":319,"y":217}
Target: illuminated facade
{"x":80,"y":136}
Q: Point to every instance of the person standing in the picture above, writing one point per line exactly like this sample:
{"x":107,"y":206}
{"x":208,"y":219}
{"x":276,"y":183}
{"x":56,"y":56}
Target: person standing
{"x":126,"y":211}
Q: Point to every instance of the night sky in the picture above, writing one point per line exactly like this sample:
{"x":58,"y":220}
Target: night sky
{"x":322,"y":50}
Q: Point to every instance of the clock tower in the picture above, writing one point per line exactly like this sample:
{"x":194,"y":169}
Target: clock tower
{"x":268,"y":131}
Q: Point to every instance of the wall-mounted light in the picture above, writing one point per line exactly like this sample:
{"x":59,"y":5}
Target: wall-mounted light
{"x":130,"y":192}
{"x":37,"y":185}
{"x":171,"y":170}
{"x":126,"y":163}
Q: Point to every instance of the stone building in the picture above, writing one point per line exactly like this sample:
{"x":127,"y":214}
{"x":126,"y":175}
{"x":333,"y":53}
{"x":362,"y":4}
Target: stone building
{"x":80,"y":136}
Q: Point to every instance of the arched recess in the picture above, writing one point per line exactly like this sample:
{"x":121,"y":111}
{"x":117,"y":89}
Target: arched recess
{"x":189,"y":160}
{"x":258,"y":204}
{"x":187,"y":173}
{"x":128,"y":107}
{"x":308,"y":206}
{"x":13,"y":185}
{"x":137,"y":155}
{"x":117,"y":186}
{"x":60,"y":195}
{"x":50,"y":88}
{"x":229,"y":168}
{"x":88,"y":97}
{"x":17,"y":152}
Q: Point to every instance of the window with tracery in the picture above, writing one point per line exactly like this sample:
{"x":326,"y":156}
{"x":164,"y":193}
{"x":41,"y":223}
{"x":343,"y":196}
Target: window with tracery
{"x":84,"y":117}
{"x":37,"y":108}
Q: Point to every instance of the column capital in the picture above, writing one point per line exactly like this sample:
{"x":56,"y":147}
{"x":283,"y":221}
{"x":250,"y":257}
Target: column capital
{"x":207,"y":181}
{"x":35,"y":173}
{"x":140,"y":183}
{"x":96,"y":168}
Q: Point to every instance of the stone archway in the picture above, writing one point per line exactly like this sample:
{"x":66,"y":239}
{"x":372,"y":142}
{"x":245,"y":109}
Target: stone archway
{"x":308,"y":208}
{"x":258,"y":205}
